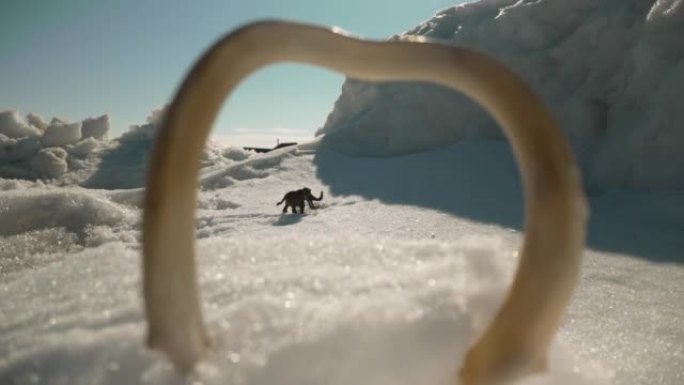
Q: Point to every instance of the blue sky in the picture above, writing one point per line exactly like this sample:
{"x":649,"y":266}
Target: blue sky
{"x":80,"y":58}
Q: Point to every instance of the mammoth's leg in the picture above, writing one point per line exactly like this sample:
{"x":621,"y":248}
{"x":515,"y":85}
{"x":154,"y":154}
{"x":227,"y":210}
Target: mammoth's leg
{"x":301,"y":207}
{"x":285,"y":208}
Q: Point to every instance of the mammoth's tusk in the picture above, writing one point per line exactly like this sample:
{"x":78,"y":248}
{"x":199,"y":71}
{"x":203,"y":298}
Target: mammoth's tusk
{"x":517,"y":340}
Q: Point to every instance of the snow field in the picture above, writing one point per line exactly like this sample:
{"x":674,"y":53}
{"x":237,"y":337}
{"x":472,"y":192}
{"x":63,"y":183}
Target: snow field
{"x":363,"y":290}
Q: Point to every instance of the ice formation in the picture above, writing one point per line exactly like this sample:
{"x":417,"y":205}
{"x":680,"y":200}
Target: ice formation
{"x":96,"y":128}
{"x":12,"y":125}
{"x":81,"y":152}
{"x":612,"y":71}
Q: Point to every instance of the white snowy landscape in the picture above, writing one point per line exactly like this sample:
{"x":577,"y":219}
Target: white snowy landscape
{"x":413,"y":245}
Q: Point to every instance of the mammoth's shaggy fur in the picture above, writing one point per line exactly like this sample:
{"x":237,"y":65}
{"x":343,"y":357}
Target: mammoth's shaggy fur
{"x":297,"y":198}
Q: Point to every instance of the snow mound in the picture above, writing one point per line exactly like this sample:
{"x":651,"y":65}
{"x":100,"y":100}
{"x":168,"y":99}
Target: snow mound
{"x":12,"y":125}
{"x":60,"y":133}
{"x":50,"y":162}
{"x":237,"y":153}
{"x":611,"y":71}
{"x":73,"y":209}
{"x":123,"y":164}
{"x":84,"y":148}
{"x":96,"y":128}
{"x":14,"y":150}
{"x":251,"y":167}
{"x":39,"y":225}
{"x":36,"y":121}
{"x":49,"y":151}
{"x":147,"y":131}
{"x":80,"y":153}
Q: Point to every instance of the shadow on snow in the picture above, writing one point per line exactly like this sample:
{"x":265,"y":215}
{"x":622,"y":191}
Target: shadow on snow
{"x":478,"y":180}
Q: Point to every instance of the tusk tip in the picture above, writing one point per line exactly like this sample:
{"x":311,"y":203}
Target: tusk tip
{"x":491,"y":369}
{"x":183,"y":351}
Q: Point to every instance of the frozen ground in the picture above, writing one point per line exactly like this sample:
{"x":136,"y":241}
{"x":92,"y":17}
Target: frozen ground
{"x":385,"y":284}
{"x":411,"y":250}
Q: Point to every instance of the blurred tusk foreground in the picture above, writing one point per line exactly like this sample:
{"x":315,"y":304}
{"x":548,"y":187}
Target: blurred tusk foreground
{"x":517,"y":340}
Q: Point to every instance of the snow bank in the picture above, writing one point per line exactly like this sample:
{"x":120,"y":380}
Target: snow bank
{"x":147,"y":131}
{"x":36,"y":121}
{"x":12,"y":125}
{"x":75,"y":209}
{"x":47,"y":151}
{"x":84,"y":148}
{"x":50,"y":162}
{"x":80,"y":153}
{"x":124,"y":163}
{"x":13,"y":150}
{"x":60,"y":133}
{"x":96,"y":128}
{"x":40,"y":225}
{"x":236,"y":153}
{"x":612,"y":72}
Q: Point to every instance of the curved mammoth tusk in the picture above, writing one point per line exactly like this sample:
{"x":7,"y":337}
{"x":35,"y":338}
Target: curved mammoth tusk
{"x":516,"y":341}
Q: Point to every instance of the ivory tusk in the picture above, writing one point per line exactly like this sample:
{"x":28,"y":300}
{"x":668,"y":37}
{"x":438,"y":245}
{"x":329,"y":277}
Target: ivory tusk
{"x":516,"y":342}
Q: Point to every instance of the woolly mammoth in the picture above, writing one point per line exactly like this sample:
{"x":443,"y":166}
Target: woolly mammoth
{"x":297,"y":198}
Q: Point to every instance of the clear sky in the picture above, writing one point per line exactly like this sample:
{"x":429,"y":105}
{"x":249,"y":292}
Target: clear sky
{"x":81,"y":58}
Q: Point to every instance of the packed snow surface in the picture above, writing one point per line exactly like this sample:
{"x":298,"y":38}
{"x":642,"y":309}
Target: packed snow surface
{"x":411,"y":249}
{"x":386,"y":283}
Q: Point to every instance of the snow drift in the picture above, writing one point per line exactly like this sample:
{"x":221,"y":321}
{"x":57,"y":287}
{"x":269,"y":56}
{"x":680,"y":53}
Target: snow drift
{"x":385,"y":284}
{"x":37,"y":150}
{"x":81,"y":153}
{"x":612,"y":71}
